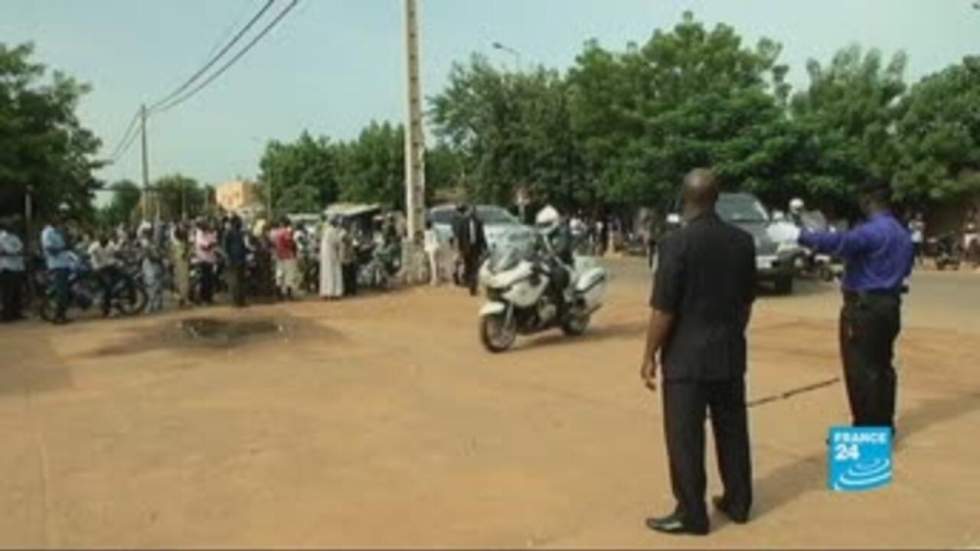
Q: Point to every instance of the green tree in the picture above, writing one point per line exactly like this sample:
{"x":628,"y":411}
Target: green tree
{"x":939,"y":136}
{"x":299,"y":198}
{"x":372,"y":167}
{"x":180,"y":197}
{"x":688,"y":97}
{"x":42,"y":144}
{"x":847,"y":119}
{"x":512,"y":129}
{"x":308,"y":164}
{"x":122,"y":208}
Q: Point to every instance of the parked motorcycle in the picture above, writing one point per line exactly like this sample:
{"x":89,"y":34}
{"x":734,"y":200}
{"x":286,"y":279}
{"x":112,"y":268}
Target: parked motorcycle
{"x":85,"y":290}
{"x":377,"y":265}
{"x":947,"y":251}
{"x":520,"y":301}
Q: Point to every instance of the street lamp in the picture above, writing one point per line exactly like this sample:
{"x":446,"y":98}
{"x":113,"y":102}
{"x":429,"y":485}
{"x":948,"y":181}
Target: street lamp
{"x":513,"y":52}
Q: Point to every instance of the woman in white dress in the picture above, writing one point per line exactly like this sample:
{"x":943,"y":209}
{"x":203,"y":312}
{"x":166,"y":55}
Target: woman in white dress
{"x":331,"y":270}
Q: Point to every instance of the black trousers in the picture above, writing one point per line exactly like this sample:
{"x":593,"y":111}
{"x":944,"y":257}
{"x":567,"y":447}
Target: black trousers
{"x":207,"y":282}
{"x":869,"y":325}
{"x":349,"y":272}
{"x":685,"y":407}
{"x":107,"y":280}
{"x":471,"y":271}
{"x":11,"y":293}
{"x":236,"y":283}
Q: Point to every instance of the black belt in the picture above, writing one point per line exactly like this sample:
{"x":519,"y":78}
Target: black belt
{"x":889,"y":293}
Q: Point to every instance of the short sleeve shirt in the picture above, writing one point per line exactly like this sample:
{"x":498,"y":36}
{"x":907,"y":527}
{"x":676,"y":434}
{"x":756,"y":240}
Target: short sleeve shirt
{"x":706,"y":279}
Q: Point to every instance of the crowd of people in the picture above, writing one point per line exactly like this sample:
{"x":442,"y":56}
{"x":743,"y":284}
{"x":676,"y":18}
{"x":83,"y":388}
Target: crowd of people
{"x":193,"y":261}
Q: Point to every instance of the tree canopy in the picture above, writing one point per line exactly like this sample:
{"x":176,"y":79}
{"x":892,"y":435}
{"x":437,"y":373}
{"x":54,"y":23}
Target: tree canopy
{"x":42,"y":144}
{"x":619,"y":128}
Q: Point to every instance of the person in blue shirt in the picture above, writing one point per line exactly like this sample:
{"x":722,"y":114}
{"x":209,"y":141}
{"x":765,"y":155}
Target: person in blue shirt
{"x":878,"y":257}
{"x":59,"y":261}
{"x":237,"y":254}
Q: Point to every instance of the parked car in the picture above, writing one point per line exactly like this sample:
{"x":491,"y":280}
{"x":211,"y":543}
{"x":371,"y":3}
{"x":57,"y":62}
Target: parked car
{"x":775,"y":261}
{"x":501,"y":228}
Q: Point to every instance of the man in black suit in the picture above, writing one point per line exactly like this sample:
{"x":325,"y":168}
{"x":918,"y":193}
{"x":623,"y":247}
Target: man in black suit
{"x":471,"y":242}
{"x":702,"y":301}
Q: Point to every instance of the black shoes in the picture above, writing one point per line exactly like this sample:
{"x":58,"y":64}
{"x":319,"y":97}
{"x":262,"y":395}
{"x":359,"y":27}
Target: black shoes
{"x":674,"y":525}
{"x":722,"y":506}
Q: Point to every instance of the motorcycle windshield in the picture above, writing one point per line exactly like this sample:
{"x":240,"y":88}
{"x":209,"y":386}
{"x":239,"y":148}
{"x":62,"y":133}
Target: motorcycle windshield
{"x":504,"y":258}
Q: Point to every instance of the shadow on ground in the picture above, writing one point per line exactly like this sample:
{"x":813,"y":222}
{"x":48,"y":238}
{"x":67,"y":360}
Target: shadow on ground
{"x":808,"y":474}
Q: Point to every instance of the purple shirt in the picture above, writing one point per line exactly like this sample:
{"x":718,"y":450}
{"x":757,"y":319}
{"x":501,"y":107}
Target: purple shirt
{"x":878,"y":254}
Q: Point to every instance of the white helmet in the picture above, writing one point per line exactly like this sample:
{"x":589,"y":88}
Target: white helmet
{"x":795,"y":204}
{"x":547,"y":218}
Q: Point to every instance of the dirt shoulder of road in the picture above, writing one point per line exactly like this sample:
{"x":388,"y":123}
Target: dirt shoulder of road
{"x":381,"y":422}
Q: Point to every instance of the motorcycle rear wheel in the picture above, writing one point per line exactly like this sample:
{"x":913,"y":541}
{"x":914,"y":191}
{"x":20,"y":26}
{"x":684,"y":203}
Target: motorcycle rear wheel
{"x":496,"y":333}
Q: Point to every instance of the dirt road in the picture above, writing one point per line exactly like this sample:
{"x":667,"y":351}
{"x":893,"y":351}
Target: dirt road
{"x":381,"y":422}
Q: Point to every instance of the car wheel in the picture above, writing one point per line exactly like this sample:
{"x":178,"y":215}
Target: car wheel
{"x":784,"y":285}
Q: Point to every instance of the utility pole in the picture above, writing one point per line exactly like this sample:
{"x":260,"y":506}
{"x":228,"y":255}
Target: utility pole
{"x":414,"y":149}
{"x":146,"y":170}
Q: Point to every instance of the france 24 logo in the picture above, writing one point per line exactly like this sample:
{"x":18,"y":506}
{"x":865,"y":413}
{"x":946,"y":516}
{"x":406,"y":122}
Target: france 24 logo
{"x":860,"y":458}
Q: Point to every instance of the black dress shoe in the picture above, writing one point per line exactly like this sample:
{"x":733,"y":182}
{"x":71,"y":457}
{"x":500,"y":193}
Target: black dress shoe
{"x":674,"y":525}
{"x":720,"y":504}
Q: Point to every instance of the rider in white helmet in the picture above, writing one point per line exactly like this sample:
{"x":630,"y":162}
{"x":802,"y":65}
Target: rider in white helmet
{"x":558,"y":240}
{"x":796,"y":210}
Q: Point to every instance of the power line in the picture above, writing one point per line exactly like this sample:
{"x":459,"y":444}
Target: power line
{"x":125,"y":148}
{"x":121,"y":146}
{"x":130,"y":134}
{"x":238,"y":36}
{"x":229,"y":31}
{"x":232,"y":61}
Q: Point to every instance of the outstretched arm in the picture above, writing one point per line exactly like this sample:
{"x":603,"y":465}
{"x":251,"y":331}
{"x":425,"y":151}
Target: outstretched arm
{"x":845,"y":244}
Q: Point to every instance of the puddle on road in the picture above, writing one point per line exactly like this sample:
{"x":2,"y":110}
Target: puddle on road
{"x":225,"y":331}
{"x":213,"y":333}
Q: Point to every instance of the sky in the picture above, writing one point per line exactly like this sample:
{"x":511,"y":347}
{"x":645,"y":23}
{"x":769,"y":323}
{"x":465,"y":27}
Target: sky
{"x":332,"y":66}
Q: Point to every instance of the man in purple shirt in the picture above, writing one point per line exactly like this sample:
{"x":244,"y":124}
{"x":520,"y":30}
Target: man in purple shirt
{"x":878,"y":256}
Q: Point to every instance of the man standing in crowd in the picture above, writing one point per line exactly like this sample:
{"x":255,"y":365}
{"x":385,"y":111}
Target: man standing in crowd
{"x":287,"y":270}
{"x":180,"y":260}
{"x":11,"y":272}
{"x":878,"y":256}
{"x":331,"y":270}
{"x":58,"y":258}
{"x":152,"y":266}
{"x":236,"y":253}
{"x":348,"y":258}
{"x":205,"y":256}
{"x":102,"y":256}
{"x":917,"y":227}
{"x":431,"y":247}
{"x":472,"y":244}
{"x":702,"y":300}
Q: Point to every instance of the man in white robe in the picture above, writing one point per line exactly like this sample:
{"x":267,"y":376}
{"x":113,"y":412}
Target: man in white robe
{"x":331,"y":269}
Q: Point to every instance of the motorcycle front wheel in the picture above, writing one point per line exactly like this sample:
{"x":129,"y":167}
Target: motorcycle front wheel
{"x":497,"y":333}
{"x":576,"y":325}
{"x":130,"y":299}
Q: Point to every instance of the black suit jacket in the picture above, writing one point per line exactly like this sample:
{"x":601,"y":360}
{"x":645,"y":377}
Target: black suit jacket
{"x":706,"y":279}
{"x":461,"y":230}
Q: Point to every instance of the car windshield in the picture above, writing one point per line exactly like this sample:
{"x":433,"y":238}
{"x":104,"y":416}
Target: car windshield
{"x":741,"y":208}
{"x":495,"y":215}
{"x":442,"y":216}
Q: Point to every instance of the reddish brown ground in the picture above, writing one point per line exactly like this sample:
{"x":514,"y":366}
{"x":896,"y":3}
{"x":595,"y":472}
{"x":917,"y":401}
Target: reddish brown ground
{"x":382,"y":422}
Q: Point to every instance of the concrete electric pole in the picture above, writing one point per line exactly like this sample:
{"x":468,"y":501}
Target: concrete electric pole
{"x":414,"y":151}
{"x":146,"y":170}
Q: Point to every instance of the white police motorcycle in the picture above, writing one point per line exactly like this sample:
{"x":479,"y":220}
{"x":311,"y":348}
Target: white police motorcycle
{"x":520,"y":300}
